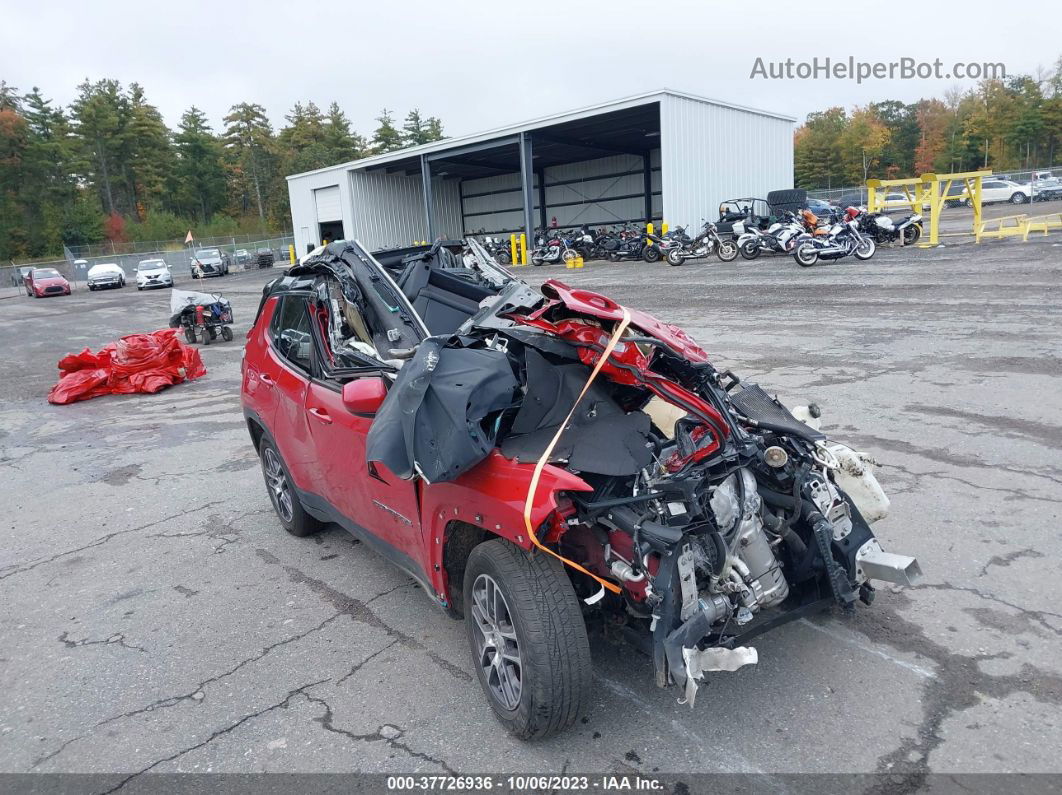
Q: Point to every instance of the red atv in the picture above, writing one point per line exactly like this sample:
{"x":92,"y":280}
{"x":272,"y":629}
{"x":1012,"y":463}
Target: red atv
{"x":538,"y":459}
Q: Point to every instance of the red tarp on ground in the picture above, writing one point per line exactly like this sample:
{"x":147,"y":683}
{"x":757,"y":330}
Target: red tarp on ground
{"x":137,"y":363}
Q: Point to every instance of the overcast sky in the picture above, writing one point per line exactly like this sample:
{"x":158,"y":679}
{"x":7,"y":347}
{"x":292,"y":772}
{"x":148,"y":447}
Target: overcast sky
{"x":481,"y":64}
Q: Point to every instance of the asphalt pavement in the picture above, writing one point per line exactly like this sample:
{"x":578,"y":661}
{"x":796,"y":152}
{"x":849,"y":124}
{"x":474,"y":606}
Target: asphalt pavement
{"x":156,"y":618}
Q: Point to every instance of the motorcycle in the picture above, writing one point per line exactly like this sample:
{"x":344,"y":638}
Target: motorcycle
{"x":657,"y":247}
{"x":627,"y":243}
{"x":780,"y":238}
{"x":499,"y":249}
{"x":702,"y":247}
{"x":844,"y":238}
{"x":885,"y":229}
{"x":552,"y":247}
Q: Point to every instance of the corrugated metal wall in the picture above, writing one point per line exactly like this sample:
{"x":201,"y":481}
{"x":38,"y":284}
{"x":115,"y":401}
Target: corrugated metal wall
{"x":602,"y":191}
{"x":387,"y":210}
{"x":713,"y":153}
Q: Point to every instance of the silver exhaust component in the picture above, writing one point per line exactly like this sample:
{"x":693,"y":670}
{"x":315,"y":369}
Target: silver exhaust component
{"x":874,"y":563}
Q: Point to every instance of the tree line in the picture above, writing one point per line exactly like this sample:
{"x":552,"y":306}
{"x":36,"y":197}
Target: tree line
{"x":1002,"y":125}
{"x":108,"y":166}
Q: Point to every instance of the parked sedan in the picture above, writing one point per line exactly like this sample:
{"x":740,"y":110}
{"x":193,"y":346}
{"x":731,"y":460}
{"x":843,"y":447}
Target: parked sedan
{"x":106,"y":275}
{"x":210,"y":262}
{"x":153,"y":273}
{"x":46,"y":281}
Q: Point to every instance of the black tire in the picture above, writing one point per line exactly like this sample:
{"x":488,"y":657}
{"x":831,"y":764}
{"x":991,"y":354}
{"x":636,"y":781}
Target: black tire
{"x":226,"y":333}
{"x":912,"y":234}
{"x":651,"y":254}
{"x":612,"y":256}
{"x":189,"y":334}
{"x":289,"y":510}
{"x":549,"y":633}
{"x":749,"y":250}
{"x":1018,"y":198}
{"x":674,"y":257}
{"x":503,"y":258}
{"x":205,"y":337}
{"x":968,"y":203}
{"x":139,"y":289}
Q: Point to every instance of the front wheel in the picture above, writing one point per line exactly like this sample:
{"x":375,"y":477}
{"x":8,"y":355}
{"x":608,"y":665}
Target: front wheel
{"x":226,"y":333}
{"x":189,"y":334}
{"x":527,"y":638}
{"x":806,"y":255}
{"x":674,"y":257}
{"x":1018,"y":198}
{"x":651,"y":254}
{"x":866,"y":248}
{"x":749,"y":250}
{"x":727,"y":251}
{"x":503,"y":258}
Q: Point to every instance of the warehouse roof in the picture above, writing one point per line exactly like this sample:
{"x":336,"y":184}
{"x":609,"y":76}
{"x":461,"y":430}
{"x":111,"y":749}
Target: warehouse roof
{"x":620,"y":125}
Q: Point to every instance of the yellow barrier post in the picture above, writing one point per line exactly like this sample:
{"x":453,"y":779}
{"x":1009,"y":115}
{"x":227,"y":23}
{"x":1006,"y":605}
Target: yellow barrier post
{"x":939,"y":195}
{"x":512,"y":250}
{"x":649,"y":228}
{"x":663,"y":227}
{"x":523,"y":248}
{"x":291,"y":254}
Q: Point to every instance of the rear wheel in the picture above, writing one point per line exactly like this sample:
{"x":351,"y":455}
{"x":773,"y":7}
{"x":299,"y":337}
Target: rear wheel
{"x":189,"y":333}
{"x":674,"y":257}
{"x":912,"y":234}
{"x":226,"y":333}
{"x":727,"y":251}
{"x":651,"y":254}
{"x":527,"y":637}
{"x":749,"y":250}
{"x":1018,"y":198}
{"x":503,"y":258}
{"x":206,"y":336}
{"x":282,"y":494}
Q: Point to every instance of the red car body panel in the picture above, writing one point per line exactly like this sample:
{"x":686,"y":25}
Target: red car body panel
{"x":323,"y":445}
{"x":38,"y":286}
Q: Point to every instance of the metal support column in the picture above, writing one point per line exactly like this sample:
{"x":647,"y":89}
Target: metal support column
{"x":647,"y":182}
{"x":527,"y":184}
{"x":429,"y":200}
{"x":541,"y":198}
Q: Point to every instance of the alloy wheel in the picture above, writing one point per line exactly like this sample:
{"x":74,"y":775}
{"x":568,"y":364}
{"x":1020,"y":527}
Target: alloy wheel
{"x":498,"y":649}
{"x":277,"y":482}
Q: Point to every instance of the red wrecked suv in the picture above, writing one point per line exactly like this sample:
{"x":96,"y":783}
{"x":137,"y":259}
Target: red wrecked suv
{"x":542,"y":458}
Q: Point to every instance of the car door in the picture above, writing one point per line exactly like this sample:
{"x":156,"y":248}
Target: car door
{"x":286,"y":369}
{"x":992,"y":191}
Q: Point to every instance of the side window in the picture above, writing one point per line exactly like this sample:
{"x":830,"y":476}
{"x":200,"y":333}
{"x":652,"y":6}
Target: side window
{"x":291,"y":331}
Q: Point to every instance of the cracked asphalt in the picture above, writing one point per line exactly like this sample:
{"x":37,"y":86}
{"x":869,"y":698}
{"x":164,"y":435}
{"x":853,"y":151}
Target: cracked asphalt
{"x":157,"y":619}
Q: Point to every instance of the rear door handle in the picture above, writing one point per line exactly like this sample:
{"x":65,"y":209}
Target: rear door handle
{"x":321,"y":415}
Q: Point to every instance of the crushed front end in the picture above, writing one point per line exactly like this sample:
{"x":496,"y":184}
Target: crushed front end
{"x":717,"y":513}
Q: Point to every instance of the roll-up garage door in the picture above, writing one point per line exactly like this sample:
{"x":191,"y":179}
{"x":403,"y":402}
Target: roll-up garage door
{"x":328,"y":208}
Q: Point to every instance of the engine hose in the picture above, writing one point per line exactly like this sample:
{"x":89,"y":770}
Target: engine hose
{"x":541,"y":463}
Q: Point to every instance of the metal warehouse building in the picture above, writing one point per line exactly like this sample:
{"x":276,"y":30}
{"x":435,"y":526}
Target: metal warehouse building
{"x":663,"y":156}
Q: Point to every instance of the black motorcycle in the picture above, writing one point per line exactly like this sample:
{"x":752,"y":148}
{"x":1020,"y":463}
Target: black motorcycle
{"x":885,"y":229}
{"x":702,"y":246}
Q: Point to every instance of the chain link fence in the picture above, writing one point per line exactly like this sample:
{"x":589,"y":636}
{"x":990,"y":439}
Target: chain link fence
{"x":243,"y":251}
{"x":857,"y":194}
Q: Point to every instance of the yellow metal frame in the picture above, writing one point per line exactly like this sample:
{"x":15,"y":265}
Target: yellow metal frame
{"x":941,"y":185}
{"x":932,"y":190}
{"x":1042,"y":223}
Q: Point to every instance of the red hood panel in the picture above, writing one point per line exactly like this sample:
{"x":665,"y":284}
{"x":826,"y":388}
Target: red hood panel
{"x":594,"y":304}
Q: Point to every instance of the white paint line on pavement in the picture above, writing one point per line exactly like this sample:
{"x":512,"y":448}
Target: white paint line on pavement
{"x":851,"y":640}
{"x":730,"y":762}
